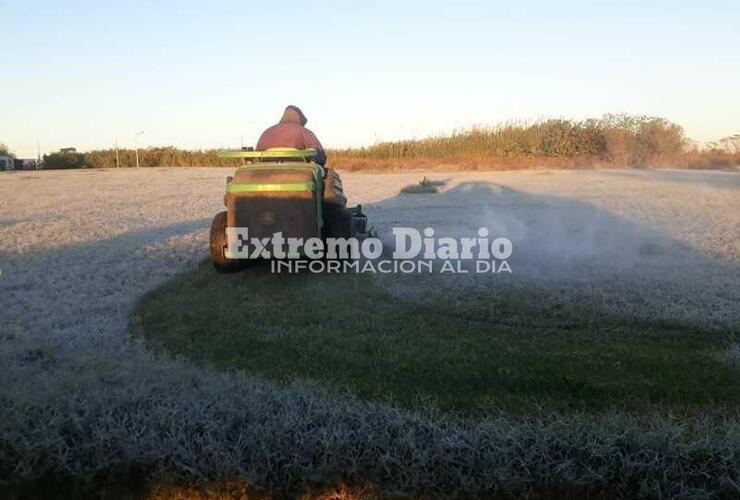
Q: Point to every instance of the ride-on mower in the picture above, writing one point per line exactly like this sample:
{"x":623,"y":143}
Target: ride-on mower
{"x":282,"y":190}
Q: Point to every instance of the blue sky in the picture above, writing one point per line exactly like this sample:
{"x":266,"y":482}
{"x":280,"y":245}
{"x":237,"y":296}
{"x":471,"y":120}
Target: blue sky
{"x":204,"y":74}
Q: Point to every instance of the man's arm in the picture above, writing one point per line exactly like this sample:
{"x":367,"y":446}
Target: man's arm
{"x":313,"y":142}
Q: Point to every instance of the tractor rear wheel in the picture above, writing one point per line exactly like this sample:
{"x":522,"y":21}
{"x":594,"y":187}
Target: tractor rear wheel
{"x":337,"y":223}
{"x":218,"y":244}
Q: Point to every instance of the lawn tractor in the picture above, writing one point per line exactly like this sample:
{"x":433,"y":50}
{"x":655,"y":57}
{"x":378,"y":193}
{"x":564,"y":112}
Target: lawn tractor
{"x":282,"y":190}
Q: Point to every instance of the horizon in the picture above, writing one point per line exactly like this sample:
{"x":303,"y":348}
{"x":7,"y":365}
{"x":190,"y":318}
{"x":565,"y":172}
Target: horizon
{"x":88,"y":74}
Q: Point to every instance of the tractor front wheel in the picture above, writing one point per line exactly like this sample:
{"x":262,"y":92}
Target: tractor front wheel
{"x":218,"y":245}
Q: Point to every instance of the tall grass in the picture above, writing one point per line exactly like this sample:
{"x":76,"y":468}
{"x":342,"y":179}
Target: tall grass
{"x":615,"y":140}
{"x":158,"y":157}
{"x":619,"y":139}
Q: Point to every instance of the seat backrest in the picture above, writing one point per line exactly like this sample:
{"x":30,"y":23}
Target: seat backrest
{"x":271,"y":155}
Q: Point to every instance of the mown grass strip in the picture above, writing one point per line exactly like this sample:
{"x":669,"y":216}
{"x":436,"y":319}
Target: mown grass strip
{"x":499,"y":353}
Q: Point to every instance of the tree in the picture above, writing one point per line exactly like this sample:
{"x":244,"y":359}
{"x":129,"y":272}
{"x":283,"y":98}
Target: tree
{"x":4,"y":149}
{"x":64,"y":160}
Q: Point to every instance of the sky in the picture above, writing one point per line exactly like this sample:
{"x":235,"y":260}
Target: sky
{"x":214,"y":74}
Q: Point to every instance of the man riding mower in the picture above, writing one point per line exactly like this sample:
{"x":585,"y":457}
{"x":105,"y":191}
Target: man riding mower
{"x":282,"y":190}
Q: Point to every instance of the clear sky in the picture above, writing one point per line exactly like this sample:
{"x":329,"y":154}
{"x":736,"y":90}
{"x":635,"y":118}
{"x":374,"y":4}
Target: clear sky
{"x":204,"y":74}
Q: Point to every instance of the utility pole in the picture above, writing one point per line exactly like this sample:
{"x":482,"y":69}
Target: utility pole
{"x":118,"y":165}
{"x":242,"y":148}
{"x":136,"y":146}
{"x":38,"y":155}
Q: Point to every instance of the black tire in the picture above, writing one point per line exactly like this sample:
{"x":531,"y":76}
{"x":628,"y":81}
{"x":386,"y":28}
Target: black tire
{"x":359,"y":224}
{"x":337,"y":223}
{"x":218,"y":243}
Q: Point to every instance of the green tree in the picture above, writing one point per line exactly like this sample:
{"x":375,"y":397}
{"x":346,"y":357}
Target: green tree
{"x":64,"y":160}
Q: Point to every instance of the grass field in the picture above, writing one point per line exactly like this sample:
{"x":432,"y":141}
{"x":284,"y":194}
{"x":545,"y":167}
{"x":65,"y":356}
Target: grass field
{"x":605,"y":367}
{"x":510,"y":352}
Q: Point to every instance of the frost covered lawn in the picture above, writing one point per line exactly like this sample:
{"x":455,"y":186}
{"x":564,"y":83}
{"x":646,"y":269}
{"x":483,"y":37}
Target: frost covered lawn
{"x":511,"y":351}
{"x":599,"y":256}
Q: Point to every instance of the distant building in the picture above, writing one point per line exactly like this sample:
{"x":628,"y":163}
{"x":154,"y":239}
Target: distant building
{"x":26,"y":164}
{"x":7,"y":162}
{"x":68,"y":150}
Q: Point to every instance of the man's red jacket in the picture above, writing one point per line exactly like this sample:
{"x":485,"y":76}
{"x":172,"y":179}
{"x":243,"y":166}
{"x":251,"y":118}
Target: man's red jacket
{"x":291,"y":133}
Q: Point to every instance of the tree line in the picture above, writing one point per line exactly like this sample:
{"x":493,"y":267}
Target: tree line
{"x":168,"y":156}
{"x":620,"y":140}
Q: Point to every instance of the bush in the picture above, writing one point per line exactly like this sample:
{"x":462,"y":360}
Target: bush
{"x":617,"y":139}
{"x":168,"y":156}
{"x":64,"y":160}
